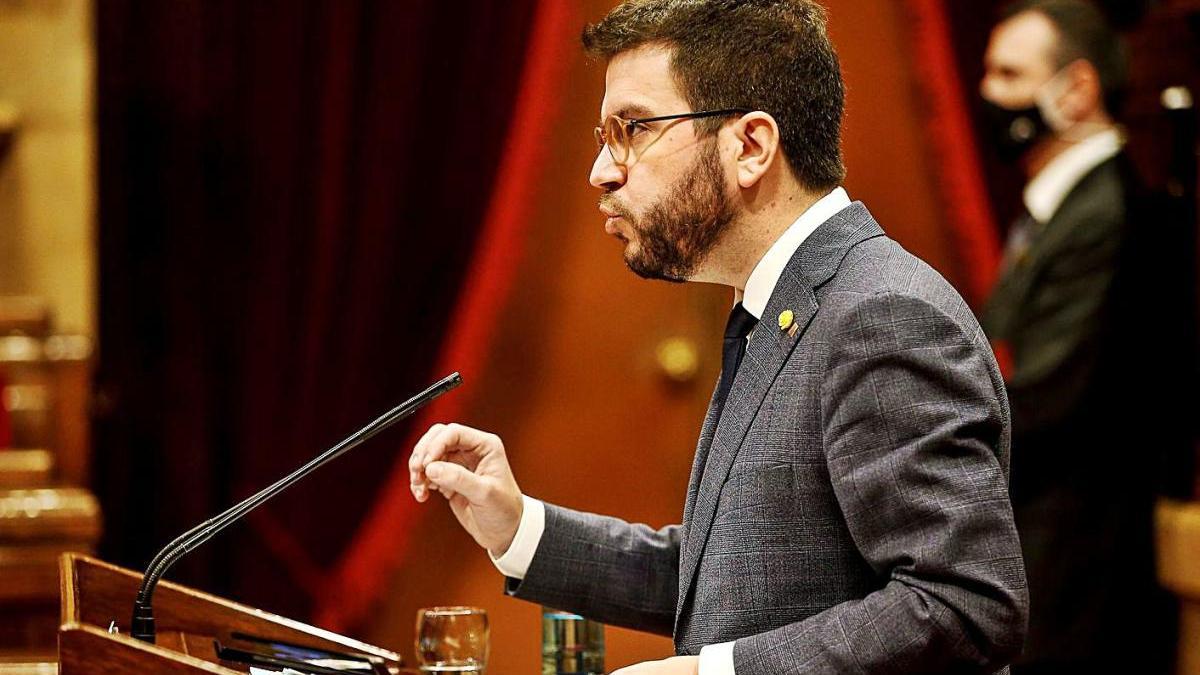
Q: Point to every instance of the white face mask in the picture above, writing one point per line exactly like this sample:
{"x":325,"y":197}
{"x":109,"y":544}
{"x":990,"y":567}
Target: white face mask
{"x":1047,"y":97}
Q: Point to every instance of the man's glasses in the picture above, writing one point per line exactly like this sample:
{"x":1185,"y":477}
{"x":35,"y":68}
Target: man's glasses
{"x":620,"y":134}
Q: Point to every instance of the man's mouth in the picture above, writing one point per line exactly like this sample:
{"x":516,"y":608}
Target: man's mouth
{"x":612,"y":217}
{"x":610,"y":226}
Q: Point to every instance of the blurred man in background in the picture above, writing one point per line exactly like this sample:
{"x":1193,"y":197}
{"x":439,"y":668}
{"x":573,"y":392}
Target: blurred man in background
{"x":1083,"y":463}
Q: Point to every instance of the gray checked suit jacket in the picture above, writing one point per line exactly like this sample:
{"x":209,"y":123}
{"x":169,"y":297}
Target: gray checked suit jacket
{"x":849,"y":511}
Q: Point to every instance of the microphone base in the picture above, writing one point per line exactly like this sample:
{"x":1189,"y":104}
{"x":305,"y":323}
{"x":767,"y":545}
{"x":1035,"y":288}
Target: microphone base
{"x":143,"y":623}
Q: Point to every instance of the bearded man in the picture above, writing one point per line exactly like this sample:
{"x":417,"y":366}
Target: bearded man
{"x":848,"y":507}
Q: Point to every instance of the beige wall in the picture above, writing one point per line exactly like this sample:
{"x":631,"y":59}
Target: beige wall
{"x":47,"y":194}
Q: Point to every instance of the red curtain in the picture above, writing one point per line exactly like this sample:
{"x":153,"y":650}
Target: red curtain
{"x":962,"y":184}
{"x":360,"y":576}
{"x":289,"y":196}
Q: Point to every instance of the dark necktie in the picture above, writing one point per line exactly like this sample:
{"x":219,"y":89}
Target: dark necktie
{"x":1020,"y":236}
{"x":741,"y":322}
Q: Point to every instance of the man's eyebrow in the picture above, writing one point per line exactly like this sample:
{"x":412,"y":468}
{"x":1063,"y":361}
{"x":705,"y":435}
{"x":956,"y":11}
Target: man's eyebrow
{"x":631,"y":111}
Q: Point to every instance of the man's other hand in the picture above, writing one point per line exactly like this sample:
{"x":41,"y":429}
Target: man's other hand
{"x":676,"y":665}
{"x":469,"y":468}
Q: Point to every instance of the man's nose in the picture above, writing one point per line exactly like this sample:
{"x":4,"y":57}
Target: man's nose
{"x":987,"y":86}
{"x":606,"y":173}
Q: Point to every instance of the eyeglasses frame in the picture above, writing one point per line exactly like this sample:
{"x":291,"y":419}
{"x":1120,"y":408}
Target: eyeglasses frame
{"x":602,"y":137}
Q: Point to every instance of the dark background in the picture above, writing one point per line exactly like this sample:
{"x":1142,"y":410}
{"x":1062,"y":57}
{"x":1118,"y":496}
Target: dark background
{"x":288,"y":193}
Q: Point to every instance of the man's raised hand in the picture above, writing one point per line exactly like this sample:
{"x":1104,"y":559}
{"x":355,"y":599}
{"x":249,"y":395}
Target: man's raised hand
{"x":469,"y":468}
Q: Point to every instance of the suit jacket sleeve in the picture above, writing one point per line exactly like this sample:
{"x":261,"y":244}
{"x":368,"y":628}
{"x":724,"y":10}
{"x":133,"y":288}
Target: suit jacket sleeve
{"x":916,"y":435}
{"x":605,"y":569}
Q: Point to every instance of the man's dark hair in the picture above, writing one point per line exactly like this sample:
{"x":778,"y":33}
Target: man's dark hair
{"x":1084,"y":33}
{"x":768,"y":55}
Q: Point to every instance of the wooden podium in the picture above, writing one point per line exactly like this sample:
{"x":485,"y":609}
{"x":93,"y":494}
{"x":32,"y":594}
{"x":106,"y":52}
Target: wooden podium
{"x":95,"y":593}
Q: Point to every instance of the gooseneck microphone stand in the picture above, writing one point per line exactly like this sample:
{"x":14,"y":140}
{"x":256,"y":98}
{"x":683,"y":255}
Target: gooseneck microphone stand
{"x":143,"y":613}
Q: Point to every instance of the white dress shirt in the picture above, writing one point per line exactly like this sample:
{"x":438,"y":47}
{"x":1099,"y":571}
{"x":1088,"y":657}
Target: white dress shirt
{"x":716,"y":659}
{"x":1046,"y":192}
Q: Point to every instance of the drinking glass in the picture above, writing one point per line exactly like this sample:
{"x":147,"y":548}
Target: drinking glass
{"x":452,"y":640}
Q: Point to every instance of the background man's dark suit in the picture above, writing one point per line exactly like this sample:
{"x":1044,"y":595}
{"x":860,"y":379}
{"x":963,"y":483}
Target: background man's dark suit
{"x":1073,"y":311}
{"x":849,"y":510}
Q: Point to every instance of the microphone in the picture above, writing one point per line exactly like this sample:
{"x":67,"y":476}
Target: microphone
{"x":143,"y":612}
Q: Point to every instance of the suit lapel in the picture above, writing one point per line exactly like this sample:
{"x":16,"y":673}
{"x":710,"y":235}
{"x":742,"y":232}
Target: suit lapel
{"x":707,"y":431}
{"x":1007,"y":298}
{"x":1062,"y":227}
{"x":814,"y":263}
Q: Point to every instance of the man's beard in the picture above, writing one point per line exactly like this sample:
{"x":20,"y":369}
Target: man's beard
{"x":678,"y":232}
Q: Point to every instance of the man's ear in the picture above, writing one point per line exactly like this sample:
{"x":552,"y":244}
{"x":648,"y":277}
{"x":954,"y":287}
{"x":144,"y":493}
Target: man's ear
{"x":757,"y":137}
{"x":1084,"y":95}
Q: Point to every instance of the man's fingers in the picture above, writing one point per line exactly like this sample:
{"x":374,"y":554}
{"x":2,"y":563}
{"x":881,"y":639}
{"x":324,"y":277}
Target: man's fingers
{"x":455,"y":478}
{"x":416,"y":461}
{"x":439,"y":441}
{"x":459,"y":438}
{"x":467,"y":446}
{"x":416,"y":464}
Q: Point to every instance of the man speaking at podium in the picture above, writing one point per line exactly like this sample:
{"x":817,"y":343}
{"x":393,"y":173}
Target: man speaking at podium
{"x":848,"y":508}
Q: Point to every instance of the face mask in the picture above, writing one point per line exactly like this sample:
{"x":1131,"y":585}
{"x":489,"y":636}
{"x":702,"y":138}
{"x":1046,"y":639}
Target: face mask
{"x":1046,"y":100}
{"x":1013,"y":131}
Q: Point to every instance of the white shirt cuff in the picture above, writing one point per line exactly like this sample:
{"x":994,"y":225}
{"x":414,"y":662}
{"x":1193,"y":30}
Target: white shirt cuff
{"x":515,"y":561}
{"x":716,"y":659}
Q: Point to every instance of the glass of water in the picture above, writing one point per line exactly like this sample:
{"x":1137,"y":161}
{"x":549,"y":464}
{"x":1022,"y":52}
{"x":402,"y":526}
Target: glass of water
{"x":452,"y":640}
